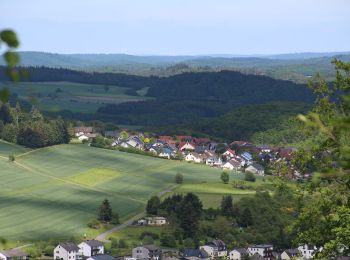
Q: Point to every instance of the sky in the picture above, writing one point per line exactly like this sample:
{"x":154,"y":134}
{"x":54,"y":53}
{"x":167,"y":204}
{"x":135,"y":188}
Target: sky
{"x":179,"y":27}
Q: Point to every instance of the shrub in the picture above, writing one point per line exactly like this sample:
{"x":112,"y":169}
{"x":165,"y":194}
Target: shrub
{"x":12,"y":158}
{"x":179,"y":178}
{"x":122,"y":243}
{"x":249,"y":177}
{"x":225,"y":177}
{"x":94,"y":223}
{"x":147,"y":240}
{"x":155,"y":236}
{"x":115,"y":219}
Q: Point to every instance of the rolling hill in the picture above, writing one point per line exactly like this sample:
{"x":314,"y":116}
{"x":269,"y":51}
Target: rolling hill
{"x":55,"y":191}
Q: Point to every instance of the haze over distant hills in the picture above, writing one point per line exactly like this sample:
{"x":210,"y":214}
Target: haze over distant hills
{"x":295,"y":66}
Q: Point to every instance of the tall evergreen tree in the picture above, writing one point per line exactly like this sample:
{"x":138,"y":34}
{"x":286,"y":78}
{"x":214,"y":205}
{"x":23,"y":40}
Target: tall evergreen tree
{"x":153,"y":205}
{"x":227,"y":208}
{"x":105,"y":211}
{"x":189,"y":214}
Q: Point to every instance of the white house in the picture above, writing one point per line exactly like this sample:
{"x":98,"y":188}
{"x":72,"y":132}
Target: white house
{"x":256,"y":169}
{"x":213,"y":161}
{"x":67,"y":251}
{"x":263,"y":250}
{"x":232,"y":165}
{"x":156,"y":221}
{"x":13,"y":254}
{"x":291,"y":254}
{"x":187,"y":146}
{"x":215,"y":248}
{"x":86,"y":136}
{"x":238,"y":254}
{"x":147,"y":252}
{"x":307,"y":251}
{"x":194,"y":157}
{"x":91,"y":248}
{"x":229,"y":153}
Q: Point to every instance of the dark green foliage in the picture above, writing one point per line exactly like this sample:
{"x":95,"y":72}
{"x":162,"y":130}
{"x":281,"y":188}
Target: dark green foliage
{"x":249,"y":176}
{"x":100,"y":141}
{"x":179,"y":178}
{"x":122,"y":243}
{"x":5,"y":114}
{"x":227,"y":208}
{"x":167,"y":240}
{"x":153,"y":205}
{"x":189,"y":214}
{"x":105,"y":211}
{"x":9,"y":133}
{"x":245,"y":219}
{"x":225,"y":177}
{"x":115,"y":218}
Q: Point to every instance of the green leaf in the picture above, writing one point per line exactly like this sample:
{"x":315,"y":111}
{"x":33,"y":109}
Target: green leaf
{"x":10,"y":38}
{"x":11,"y":58}
{"x":4,"y":95}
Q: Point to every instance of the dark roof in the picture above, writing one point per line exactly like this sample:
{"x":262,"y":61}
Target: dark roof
{"x":190,"y":252}
{"x":258,"y":166}
{"x":216,"y":242}
{"x":69,"y":246}
{"x":242,"y":251}
{"x":292,"y":252}
{"x":93,"y":243}
{"x":102,"y":257}
{"x":152,"y":247}
{"x":13,"y":253}
{"x":261,"y":246}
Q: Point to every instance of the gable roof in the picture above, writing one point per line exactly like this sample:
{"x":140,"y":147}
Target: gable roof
{"x":93,"y":243}
{"x":102,"y":257}
{"x":242,"y":251}
{"x":292,"y":252}
{"x":216,"y":243}
{"x":13,"y":253}
{"x":247,"y":156}
{"x":151,"y":247}
{"x":200,"y":253}
{"x":69,"y":246}
{"x":257,"y":166}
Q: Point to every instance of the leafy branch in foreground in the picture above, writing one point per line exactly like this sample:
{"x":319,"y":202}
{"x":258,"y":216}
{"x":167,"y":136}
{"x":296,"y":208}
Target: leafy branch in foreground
{"x":325,"y":218}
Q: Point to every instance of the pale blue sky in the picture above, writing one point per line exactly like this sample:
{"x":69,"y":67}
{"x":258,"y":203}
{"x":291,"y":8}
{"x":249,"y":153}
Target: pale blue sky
{"x":179,"y":26}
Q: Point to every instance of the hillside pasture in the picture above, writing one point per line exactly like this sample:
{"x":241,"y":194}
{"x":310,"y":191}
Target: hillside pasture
{"x":76,"y":97}
{"x":55,"y":191}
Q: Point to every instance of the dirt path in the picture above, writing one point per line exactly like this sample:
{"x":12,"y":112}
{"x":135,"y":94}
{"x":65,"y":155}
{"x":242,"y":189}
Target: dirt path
{"x":102,"y":237}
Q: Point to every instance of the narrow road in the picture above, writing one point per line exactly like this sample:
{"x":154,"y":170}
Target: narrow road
{"x":102,"y":237}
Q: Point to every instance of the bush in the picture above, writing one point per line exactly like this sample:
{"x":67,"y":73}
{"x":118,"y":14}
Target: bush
{"x":12,"y":158}
{"x":115,"y":219}
{"x":122,"y":243}
{"x":94,"y":223}
{"x":48,"y":250}
{"x":249,"y":177}
{"x":179,"y":178}
{"x":225,"y":177}
{"x":114,"y":243}
{"x":155,"y":236}
{"x":167,"y":240}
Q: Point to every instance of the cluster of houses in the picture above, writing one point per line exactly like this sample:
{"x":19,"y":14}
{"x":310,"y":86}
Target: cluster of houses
{"x":237,"y":156}
{"x":214,"y":249}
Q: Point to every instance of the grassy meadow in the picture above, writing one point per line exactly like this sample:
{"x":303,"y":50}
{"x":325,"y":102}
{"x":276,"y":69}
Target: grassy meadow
{"x":55,"y":191}
{"x":84,"y":98}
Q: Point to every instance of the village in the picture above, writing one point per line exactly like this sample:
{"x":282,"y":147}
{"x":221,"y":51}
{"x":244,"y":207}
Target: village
{"x":213,"y":249}
{"x":237,"y":155}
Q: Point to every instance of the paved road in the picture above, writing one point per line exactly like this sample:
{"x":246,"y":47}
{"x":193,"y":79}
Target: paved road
{"x":102,"y":237}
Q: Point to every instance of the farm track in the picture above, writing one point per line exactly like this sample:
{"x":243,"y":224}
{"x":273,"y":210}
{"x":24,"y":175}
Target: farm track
{"x":102,"y":237}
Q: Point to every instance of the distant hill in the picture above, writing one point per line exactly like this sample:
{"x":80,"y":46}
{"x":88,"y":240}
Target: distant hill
{"x":296,"y":67}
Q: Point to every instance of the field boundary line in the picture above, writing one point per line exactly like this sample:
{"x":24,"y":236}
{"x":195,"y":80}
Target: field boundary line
{"x":41,"y":173}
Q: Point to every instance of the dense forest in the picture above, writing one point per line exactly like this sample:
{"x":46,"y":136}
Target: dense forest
{"x":225,"y":104}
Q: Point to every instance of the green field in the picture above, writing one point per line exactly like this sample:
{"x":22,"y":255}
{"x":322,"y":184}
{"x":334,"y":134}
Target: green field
{"x":53,"y":192}
{"x":84,"y":98}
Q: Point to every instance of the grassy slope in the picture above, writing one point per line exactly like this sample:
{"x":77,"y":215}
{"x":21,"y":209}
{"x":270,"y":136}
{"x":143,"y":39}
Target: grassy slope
{"x":53,"y":192}
{"x":76,"y":97}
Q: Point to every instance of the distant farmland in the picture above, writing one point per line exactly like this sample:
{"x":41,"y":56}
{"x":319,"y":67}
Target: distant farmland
{"x":54,"y":192}
{"x":76,"y":97}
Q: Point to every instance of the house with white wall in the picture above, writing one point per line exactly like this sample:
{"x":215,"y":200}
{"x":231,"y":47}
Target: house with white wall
{"x":67,"y":251}
{"x":91,"y":248}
